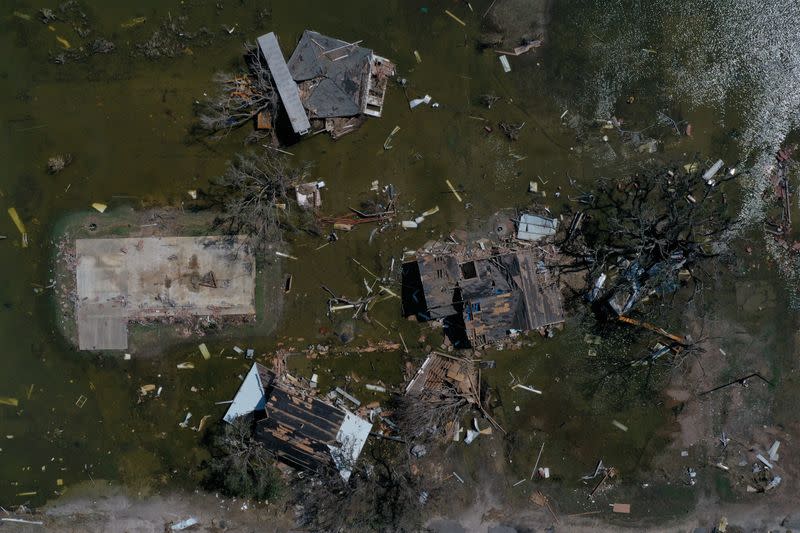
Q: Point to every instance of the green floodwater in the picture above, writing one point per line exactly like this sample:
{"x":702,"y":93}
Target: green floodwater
{"x":126,"y":120}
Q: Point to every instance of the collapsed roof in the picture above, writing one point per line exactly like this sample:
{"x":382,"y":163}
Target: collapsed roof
{"x":493,"y":294}
{"x":301,"y":430}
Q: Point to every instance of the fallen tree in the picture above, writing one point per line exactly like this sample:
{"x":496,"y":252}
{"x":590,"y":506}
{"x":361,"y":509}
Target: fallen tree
{"x":241,"y":466}
{"x":239,"y":96}
{"x":253,"y":194}
{"x":386,"y":492}
{"x":645,"y":243}
{"x":648,"y":234}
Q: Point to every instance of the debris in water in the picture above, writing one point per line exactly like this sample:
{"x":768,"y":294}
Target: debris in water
{"x":184,"y":524}
{"x":59,"y":162}
{"x":185,"y":422}
{"x":455,"y":17}
{"x":419,"y":101}
{"x":387,"y":144}
{"x":620,"y":425}
{"x":204,"y":351}
{"x":12,"y":212}
{"x":453,"y":190}
{"x":135,"y":21}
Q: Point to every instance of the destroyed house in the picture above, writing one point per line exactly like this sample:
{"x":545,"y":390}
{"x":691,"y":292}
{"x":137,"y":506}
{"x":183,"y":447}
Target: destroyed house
{"x":337,"y":78}
{"x":440,"y":371}
{"x":492,"y":296}
{"x":299,"y":429}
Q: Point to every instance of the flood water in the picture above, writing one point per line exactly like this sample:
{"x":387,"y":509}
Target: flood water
{"x":127,"y":119}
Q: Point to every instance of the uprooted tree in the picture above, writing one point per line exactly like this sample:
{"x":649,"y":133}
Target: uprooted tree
{"x":241,"y":466}
{"x":254,"y":196}
{"x":240,"y":96}
{"x":640,"y":235}
{"x":654,"y":236}
{"x":384,"y":493}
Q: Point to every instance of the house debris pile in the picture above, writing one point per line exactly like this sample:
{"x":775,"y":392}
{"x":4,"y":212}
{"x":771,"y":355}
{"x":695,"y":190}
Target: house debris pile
{"x":301,"y":430}
{"x":489,"y":293}
{"x":328,"y":84}
{"x":751,"y":467}
{"x":439,"y":397}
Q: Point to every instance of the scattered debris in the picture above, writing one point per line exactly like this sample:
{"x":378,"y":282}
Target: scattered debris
{"x":711,"y":172}
{"x":308,"y":194}
{"x":619,"y":425}
{"x":202,"y":425}
{"x":185,"y":422}
{"x":12,"y":212}
{"x":387,"y":144}
{"x":511,"y":130}
{"x":624,"y":508}
{"x":285,"y":255}
{"x":489,"y":100}
{"x":419,"y":101}
{"x":522,"y":49}
{"x":204,"y":351}
{"x":57,"y":163}
{"x":543,"y":501}
{"x":453,"y":190}
{"x":22,"y":520}
{"x":534,"y":227}
{"x":773,"y":450}
{"x":184,"y":524}
{"x":455,"y":17}
{"x":527,"y":388}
